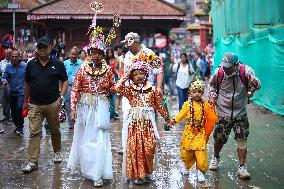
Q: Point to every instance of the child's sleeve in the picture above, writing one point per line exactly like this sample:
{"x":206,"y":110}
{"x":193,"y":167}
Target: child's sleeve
{"x":159,"y":104}
{"x":121,"y":89}
{"x":211,"y":118}
{"x":184,"y":110}
{"x":76,"y":88}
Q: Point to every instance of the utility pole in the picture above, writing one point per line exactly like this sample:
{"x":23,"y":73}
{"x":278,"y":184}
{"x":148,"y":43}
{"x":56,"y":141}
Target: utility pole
{"x":14,"y":6}
{"x":14,"y":15}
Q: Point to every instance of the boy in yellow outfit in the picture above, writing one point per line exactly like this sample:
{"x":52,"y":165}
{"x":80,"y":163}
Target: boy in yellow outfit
{"x":201,"y":118}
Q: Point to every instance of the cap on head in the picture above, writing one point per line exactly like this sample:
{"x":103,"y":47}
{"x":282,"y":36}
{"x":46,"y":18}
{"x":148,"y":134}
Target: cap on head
{"x":229,"y":59}
{"x":43,"y":41}
{"x":130,"y":38}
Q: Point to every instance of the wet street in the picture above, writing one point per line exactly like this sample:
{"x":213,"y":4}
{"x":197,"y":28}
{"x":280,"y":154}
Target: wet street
{"x":265,"y":159}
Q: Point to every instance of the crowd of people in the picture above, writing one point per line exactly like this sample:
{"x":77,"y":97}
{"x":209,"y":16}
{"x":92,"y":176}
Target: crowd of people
{"x":93,"y":84}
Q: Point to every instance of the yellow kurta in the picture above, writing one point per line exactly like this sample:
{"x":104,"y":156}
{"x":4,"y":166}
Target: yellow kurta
{"x":193,"y":145}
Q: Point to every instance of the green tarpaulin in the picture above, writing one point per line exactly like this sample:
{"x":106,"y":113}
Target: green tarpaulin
{"x":254,"y":29}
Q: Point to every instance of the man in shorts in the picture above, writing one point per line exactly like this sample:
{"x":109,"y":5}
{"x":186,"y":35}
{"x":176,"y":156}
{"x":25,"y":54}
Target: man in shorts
{"x":229,"y":89}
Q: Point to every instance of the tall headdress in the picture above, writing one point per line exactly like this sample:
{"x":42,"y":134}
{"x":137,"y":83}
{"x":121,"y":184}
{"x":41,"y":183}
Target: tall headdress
{"x":97,"y":38}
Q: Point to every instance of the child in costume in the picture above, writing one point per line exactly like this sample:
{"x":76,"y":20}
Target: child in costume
{"x":91,"y":146}
{"x":201,"y":118}
{"x":142,"y":130}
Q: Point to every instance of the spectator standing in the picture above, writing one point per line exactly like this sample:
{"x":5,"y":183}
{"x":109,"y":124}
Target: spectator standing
{"x":72,"y":65}
{"x":184,"y":72}
{"x":4,"y":92}
{"x":42,"y":86}
{"x":14,"y":77}
{"x":229,"y":89}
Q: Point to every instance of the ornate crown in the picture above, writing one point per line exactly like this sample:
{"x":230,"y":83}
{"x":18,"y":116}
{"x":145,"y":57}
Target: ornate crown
{"x":97,"y":38}
{"x":197,"y":85}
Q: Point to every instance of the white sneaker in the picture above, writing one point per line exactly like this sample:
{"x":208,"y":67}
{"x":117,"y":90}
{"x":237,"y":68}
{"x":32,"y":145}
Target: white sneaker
{"x":184,"y":171}
{"x":200,"y":176}
{"x":98,"y":183}
{"x":242,"y":172}
{"x":30,"y":167}
{"x":57,"y":157}
{"x":214,"y":163}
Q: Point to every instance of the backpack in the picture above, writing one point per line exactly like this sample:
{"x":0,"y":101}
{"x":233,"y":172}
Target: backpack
{"x":6,"y":43}
{"x":189,"y":68}
{"x":242,"y":76}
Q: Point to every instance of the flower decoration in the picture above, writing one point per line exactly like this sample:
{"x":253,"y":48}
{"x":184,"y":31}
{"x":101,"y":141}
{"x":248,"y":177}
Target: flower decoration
{"x":142,"y":56}
{"x":151,"y":57}
{"x":140,"y":63}
{"x":153,"y":61}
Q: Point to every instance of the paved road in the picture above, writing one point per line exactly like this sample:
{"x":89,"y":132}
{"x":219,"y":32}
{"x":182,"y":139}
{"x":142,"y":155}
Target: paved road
{"x":265,"y":159}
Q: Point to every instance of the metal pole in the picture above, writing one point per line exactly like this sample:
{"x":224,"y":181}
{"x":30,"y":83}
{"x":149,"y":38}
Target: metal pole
{"x":14,"y":24}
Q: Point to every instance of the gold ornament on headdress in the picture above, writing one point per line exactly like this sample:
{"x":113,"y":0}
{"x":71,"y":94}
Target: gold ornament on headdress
{"x":96,"y":37}
{"x":197,"y":85}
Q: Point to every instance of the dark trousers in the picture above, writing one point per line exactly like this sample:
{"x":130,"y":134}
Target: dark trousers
{"x":112,"y":111}
{"x":16,"y":104}
{"x":4,"y":98}
{"x":182,"y":96}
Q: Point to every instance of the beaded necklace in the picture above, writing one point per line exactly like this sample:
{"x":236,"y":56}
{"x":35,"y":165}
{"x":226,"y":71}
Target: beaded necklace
{"x":196,"y":125}
{"x":145,"y":89}
{"x":96,"y":72}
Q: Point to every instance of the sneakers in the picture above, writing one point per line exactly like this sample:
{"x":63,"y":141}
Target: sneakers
{"x":120,"y":152}
{"x":184,"y":171}
{"x":98,"y":183}
{"x":200,"y":176}
{"x":242,"y":172}
{"x":1,"y":131}
{"x":30,"y":167}
{"x":57,"y":157}
{"x":139,"y":181}
{"x":19,"y":131}
{"x":4,"y":120}
{"x":148,"y":178}
{"x":214,"y":163}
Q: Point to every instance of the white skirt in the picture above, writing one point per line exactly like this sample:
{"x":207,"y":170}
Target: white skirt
{"x":91,"y":147}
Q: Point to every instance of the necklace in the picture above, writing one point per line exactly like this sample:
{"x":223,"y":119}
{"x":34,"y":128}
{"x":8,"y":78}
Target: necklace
{"x":95,"y":72}
{"x":146,"y":88}
{"x":196,"y":125}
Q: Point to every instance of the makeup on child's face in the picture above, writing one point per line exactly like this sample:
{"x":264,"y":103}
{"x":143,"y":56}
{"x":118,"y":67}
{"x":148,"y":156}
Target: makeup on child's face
{"x":138,"y":76}
{"x":196,"y":94}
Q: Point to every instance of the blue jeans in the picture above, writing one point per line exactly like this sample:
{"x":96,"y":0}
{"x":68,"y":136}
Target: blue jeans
{"x":182,"y":96}
{"x":16,"y":104}
{"x":169,"y":82}
{"x":112,"y":111}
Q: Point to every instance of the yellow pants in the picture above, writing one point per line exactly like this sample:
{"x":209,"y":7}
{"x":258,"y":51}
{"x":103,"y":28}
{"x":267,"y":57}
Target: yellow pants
{"x":189,"y":157}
